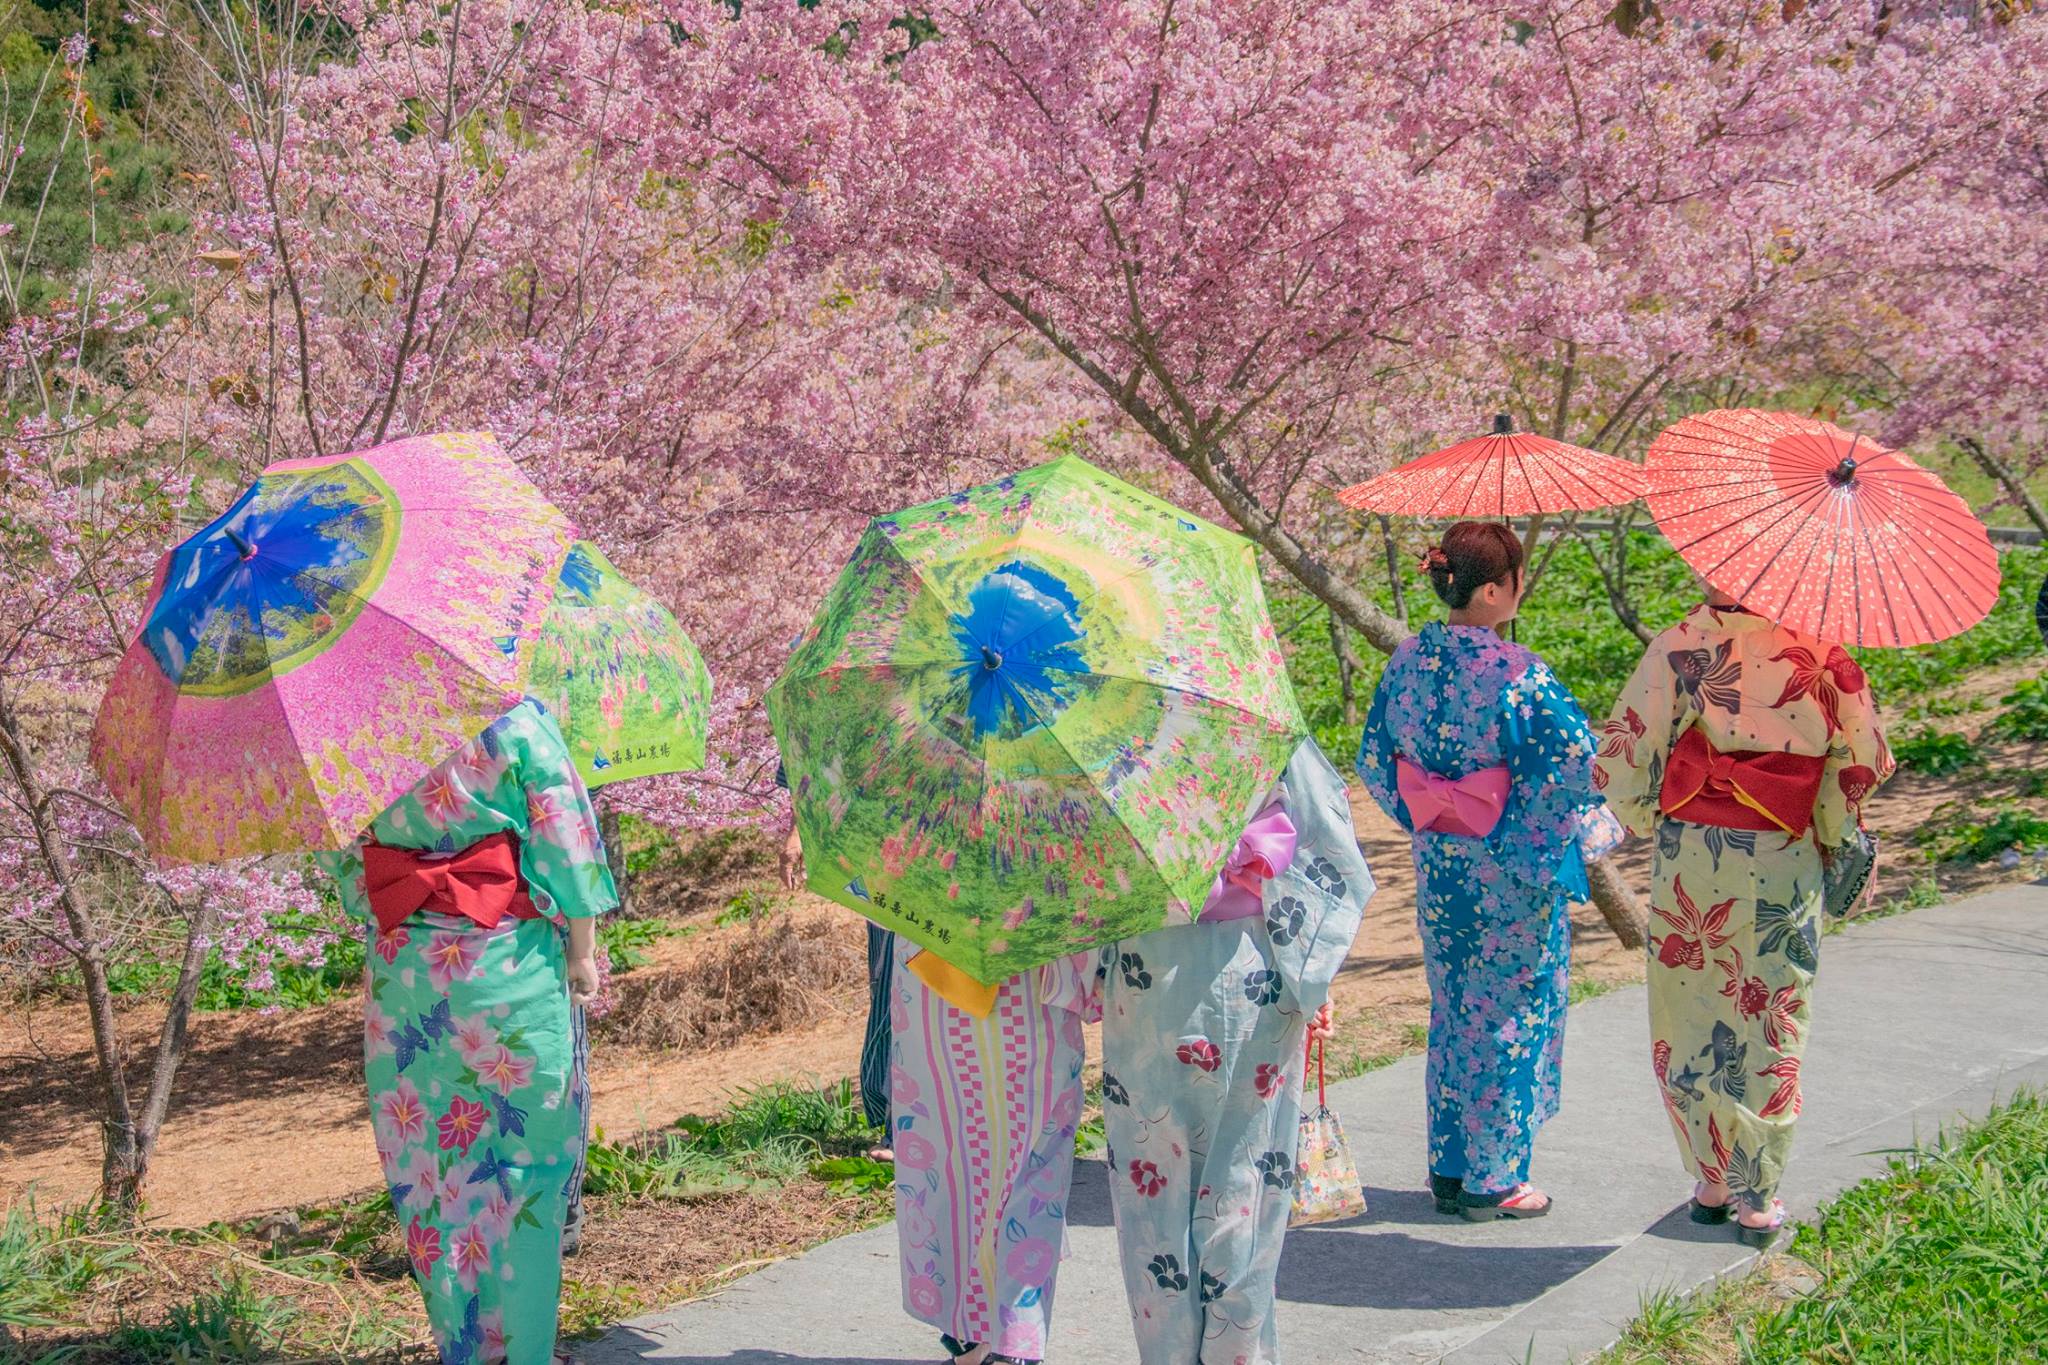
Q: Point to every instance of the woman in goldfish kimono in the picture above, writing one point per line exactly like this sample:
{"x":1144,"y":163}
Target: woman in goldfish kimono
{"x":1747,"y":749}
{"x":1485,"y":758}
{"x":479,"y":888}
{"x":1202,"y":1040}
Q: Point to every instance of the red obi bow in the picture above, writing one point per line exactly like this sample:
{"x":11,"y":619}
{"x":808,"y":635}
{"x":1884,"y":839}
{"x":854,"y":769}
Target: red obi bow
{"x":1742,"y":788}
{"x":1470,"y":805}
{"x":481,"y":883}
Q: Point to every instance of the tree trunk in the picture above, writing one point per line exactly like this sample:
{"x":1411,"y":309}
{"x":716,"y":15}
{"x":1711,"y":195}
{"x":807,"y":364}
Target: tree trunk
{"x":171,"y":1046}
{"x":1347,"y":668}
{"x":2009,"y":479}
{"x":611,"y":828}
{"x":121,"y":1163}
{"x":1394,"y":578}
{"x":1616,"y":582}
{"x":1617,"y":904}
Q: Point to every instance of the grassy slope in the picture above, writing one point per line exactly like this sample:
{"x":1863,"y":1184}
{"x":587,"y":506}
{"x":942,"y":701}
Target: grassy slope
{"x":1942,"y":1259}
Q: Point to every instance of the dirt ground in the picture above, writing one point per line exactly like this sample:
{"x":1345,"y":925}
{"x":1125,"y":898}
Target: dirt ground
{"x":270,"y":1112}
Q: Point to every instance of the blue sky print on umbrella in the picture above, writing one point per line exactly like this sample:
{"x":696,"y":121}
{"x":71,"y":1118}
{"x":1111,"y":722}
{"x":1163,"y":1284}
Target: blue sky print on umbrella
{"x":273,"y":580}
{"x":1020,"y":629}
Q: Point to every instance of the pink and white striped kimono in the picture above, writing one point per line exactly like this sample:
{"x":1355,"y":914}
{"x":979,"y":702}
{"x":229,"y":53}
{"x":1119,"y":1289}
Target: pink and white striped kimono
{"x":984,"y":1113}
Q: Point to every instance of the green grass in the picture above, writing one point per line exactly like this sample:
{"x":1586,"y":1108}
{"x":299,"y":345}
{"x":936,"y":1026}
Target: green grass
{"x":750,"y":904}
{"x":232,"y":1322}
{"x":1934,"y":752}
{"x":1942,"y":1259}
{"x":47,"y":1265}
{"x":2025,"y":716}
{"x":1569,"y":621}
{"x":1973,"y":831}
{"x":626,"y":941}
{"x":771,"y":1136}
{"x":1586,"y":988}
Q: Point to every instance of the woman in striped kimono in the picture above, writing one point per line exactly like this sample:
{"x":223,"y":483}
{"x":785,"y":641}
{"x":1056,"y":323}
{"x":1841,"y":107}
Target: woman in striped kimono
{"x":985,"y":1107}
{"x":480,"y":887}
{"x":1746,"y":749}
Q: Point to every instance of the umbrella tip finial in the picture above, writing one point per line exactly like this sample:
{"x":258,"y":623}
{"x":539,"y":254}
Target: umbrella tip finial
{"x":1503,"y":425}
{"x":241,"y":541}
{"x":1844,"y":473}
{"x":990,"y":659}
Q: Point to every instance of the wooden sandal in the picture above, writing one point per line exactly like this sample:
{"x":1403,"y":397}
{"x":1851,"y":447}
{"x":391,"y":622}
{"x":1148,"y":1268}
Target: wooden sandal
{"x":1762,"y":1237}
{"x":1515,"y":1203}
{"x":1712,"y":1215}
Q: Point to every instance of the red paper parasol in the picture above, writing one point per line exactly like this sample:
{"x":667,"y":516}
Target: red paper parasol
{"x":1820,"y":529}
{"x":1507,"y":474}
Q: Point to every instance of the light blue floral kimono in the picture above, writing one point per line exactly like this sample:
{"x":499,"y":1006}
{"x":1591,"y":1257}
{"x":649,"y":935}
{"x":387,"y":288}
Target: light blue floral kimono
{"x":1495,"y":937}
{"x":1203,"y":1036}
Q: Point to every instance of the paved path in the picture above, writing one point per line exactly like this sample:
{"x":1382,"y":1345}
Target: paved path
{"x":1918,"y":1019}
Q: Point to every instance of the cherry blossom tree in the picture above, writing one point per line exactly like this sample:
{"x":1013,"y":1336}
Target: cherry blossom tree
{"x":1270,"y":236}
{"x":98,"y":463}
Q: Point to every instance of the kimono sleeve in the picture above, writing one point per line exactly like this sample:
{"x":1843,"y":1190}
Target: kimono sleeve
{"x":1315,"y":904}
{"x":1635,"y":742}
{"x":1548,"y":748}
{"x":345,"y":866}
{"x":1376,"y":749}
{"x":561,"y":850}
{"x":1859,"y":761}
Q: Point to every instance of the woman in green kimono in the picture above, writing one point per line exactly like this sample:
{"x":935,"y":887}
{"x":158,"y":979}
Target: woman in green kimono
{"x":481,"y":887}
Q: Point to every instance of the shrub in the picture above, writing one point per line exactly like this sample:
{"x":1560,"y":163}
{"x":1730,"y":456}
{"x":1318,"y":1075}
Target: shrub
{"x":778,"y":975}
{"x":2025,"y":715}
{"x":1934,"y":752}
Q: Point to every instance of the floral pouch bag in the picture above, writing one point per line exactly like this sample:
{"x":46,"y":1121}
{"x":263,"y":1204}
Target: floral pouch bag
{"x":1326,"y":1185}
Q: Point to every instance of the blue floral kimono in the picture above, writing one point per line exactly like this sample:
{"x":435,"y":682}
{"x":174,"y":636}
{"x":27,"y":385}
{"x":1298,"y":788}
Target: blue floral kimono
{"x":1495,"y":937}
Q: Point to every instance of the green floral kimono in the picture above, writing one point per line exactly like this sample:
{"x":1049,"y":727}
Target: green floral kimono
{"x":469,"y":1039}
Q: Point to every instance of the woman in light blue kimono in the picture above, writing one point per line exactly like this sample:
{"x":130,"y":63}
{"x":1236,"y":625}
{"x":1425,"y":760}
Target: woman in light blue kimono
{"x":1484,"y":757}
{"x":1203,"y":1038}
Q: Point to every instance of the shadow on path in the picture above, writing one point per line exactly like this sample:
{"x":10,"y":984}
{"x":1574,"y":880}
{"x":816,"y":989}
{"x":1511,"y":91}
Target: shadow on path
{"x":1328,"y":1264}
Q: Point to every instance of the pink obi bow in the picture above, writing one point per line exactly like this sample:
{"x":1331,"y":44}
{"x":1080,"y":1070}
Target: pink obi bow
{"x":1470,"y":805}
{"x":1264,"y":850}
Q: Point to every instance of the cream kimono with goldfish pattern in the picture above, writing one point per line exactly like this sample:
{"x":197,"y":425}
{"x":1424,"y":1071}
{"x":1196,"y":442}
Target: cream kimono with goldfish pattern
{"x":1735,"y":923}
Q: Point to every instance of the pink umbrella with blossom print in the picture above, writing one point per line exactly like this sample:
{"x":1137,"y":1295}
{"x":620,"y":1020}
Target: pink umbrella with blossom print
{"x":307,"y":657}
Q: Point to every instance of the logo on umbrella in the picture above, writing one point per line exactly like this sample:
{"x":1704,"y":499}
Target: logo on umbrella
{"x":1019,"y":629}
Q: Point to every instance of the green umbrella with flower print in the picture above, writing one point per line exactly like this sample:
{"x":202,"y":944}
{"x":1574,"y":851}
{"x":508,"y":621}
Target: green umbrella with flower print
{"x":624,"y":682}
{"x":1032,"y":717}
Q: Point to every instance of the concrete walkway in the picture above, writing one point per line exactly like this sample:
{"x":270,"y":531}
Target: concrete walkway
{"x":1917,"y":1019}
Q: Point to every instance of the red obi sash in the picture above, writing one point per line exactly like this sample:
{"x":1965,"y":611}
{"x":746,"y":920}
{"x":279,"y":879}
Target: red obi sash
{"x":1470,"y":805}
{"x":1741,"y":789}
{"x":481,"y":883}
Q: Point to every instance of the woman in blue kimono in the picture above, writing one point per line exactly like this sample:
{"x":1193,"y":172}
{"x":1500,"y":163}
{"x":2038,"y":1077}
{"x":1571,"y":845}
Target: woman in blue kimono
{"x":1484,"y":757}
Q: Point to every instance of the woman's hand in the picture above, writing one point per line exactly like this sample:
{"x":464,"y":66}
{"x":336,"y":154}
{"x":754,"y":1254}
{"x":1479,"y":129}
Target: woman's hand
{"x":582,"y":980}
{"x":792,"y":861}
{"x":582,"y":962}
{"x":1324,"y":1025}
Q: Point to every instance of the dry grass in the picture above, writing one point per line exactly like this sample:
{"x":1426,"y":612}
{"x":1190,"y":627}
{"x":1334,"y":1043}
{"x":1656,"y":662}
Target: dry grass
{"x":781,"y":974}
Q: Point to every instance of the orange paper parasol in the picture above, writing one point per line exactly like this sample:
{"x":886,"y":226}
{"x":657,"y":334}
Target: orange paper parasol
{"x":1820,"y":529}
{"x":1507,"y":474}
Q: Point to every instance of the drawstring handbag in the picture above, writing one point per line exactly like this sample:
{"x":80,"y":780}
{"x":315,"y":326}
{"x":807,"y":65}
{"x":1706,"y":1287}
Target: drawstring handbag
{"x":1846,"y":873}
{"x":1326,"y":1184}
